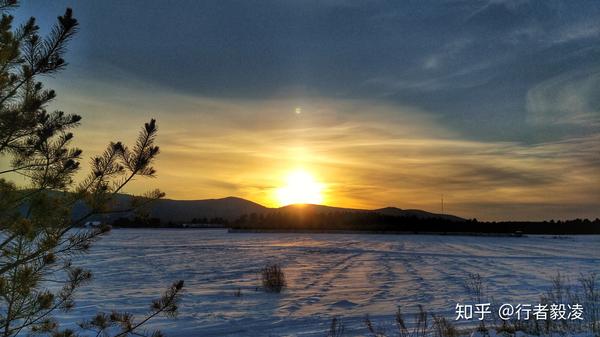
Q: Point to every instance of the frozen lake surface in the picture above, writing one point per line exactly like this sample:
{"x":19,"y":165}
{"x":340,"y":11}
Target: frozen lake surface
{"x":343,"y":275}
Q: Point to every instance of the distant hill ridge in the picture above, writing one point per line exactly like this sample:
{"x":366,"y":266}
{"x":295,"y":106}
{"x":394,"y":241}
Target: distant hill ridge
{"x":231,"y":208}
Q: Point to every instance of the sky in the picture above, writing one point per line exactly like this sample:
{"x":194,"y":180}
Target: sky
{"x":493,"y":104}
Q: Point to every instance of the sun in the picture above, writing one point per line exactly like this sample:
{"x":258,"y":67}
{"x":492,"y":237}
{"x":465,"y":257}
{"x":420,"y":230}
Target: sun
{"x":300,"y":188}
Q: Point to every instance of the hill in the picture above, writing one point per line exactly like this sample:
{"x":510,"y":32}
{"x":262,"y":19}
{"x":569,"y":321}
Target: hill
{"x":181,"y":211}
{"x":239,"y":213}
{"x":416,"y":213}
{"x":229,"y":208}
{"x":232,"y":208}
{"x":387,"y":211}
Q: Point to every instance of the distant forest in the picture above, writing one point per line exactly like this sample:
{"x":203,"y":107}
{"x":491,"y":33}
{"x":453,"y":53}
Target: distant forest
{"x":375,"y":222}
{"x":152,"y":222}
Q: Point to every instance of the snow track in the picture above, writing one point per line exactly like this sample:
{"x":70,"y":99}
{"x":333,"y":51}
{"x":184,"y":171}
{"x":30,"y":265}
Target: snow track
{"x":343,"y":275}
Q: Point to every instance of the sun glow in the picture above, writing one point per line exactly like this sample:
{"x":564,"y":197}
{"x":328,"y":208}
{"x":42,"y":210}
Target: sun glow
{"x":300,"y":188}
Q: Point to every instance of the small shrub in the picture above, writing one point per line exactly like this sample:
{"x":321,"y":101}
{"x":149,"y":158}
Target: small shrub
{"x":336,"y":329}
{"x":273,"y":278}
{"x":376,"y":331}
{"x":474,"y":286}
{"x":421,"y":328}
{"x":443,"y":328}
{"x":591,"y":300}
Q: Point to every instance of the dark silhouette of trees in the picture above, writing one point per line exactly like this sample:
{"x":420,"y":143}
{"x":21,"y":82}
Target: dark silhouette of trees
{"x":209,"y":221}
{"x":377,"y":222}
{"x":137,"y":222}
{"x":38,"y":235}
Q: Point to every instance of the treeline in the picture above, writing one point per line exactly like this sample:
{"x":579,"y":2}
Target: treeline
{"x":209,"y":221}
{"x":373,"y":221}
{"x":139,"y":222}
{"x":152,"y":222}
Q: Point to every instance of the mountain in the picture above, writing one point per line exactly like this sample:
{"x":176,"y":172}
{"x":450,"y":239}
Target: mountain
{"x":232,"y":208}
{"x":229,"y":208}
{"x":169,"y":210}
{"x":391,"y":211}
{"x":321,"y":217}
{"x":417,"y":213}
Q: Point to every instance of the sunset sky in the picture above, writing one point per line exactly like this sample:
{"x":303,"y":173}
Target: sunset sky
{"x":494,"y":104}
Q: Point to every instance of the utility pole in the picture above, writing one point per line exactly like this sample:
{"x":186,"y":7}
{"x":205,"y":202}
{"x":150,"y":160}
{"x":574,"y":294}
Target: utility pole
{"x":442,"y":203}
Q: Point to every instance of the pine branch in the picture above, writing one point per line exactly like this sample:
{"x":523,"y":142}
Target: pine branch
{"x":167,"y":304}
{"x":54,"y":47}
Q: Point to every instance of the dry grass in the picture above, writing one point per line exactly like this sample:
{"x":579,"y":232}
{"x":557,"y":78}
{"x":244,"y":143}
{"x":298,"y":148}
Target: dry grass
{"x":591,"y":300}
{"x":336,"y":329}
{"x":273,"y":278}
{"x":423,"y":327}
{"x":585,"y":291}
{"x":443,"y":328}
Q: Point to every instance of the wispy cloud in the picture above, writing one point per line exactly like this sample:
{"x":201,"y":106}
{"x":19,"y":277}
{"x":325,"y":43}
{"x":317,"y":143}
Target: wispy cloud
{"x":492,"y":103}
{"x":215,"y":148}
{"x":569,"y":98}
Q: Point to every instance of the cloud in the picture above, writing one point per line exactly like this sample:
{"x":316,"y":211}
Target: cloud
{"x":569,"y":98}
{"x":491,"y":103}
{"x":577,"y":31}
{"x":367,"y":153}
{"x":464,"y":62}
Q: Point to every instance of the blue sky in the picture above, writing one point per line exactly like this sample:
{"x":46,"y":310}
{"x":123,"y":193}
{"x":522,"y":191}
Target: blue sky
{"x":520,"y":78}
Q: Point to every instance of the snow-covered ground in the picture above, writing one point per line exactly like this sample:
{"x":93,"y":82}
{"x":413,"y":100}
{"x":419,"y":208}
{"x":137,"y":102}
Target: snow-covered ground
{"x":343,"y":275}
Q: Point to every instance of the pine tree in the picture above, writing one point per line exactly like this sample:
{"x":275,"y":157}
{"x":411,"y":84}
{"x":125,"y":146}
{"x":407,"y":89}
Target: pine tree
{"x":38,"y":235}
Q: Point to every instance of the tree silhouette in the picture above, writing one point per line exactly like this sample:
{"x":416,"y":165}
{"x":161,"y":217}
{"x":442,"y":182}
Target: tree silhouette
{"x":38,"y":235}
{"x":306,"y":219}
